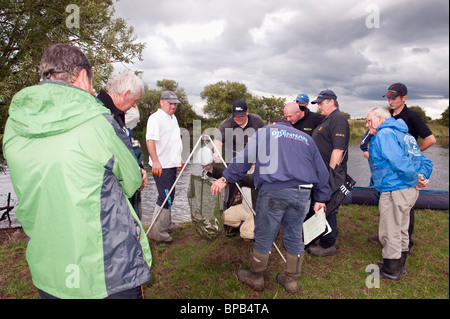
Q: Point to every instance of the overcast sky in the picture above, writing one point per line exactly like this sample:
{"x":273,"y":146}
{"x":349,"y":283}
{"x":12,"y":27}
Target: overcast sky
{"x":286,"y":47}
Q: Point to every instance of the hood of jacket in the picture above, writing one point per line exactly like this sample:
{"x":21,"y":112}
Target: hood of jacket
{"x":398,"y":125}
{"x":51,"y":108}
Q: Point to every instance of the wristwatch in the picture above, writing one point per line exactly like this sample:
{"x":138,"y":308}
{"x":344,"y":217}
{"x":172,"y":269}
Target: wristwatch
{"x":223,"y":180}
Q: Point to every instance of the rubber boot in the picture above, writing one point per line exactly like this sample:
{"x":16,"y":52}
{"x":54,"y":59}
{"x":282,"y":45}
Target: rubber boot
{"x":293,"y":269}
{"x":254,"y":278}
{"x":403,"y":262}
{"x":173,"y":226}
{"x":391,"y":269}
{"x":160,"y":228}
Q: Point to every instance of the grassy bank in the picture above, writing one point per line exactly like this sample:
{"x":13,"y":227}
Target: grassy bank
{"x":358,"y":128}
{"x":195,"y":268}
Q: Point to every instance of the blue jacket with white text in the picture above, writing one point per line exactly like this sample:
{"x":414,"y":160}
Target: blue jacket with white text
{"x":283,"y":157}
{"x":395,"y":158}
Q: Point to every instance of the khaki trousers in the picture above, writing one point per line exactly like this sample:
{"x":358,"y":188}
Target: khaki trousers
{"x":394,"y":210}
{"x":237,"y":215}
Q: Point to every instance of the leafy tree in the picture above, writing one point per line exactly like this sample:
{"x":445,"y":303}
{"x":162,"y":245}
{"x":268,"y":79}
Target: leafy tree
{"x":149,"y":104}
{"x":347,"y":115}
{"x":267,"y":107}
{"x":220,"y":97}
{"x":444,"y":117}
{"x":29,"y":26}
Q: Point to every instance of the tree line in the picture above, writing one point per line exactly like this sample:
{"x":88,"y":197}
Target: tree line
{"x":219,"y":98}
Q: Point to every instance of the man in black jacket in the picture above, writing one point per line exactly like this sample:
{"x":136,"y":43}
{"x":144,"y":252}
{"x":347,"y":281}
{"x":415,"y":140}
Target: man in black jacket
{"x":122,"y":92}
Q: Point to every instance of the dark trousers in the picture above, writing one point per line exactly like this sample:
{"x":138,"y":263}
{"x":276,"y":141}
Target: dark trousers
{"x":133,"y":293}
{"x":164,"y":184}
{"x":326,"y":241}
{"x":329,"y":240}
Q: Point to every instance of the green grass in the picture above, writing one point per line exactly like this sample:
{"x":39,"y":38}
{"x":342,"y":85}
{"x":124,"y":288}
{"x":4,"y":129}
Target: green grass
{"x":194,"y":268}
{"x":207,"y":269}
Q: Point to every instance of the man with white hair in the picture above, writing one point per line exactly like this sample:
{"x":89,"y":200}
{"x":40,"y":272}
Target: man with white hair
{"x":399,"y":171}
{"x":122,"y":92}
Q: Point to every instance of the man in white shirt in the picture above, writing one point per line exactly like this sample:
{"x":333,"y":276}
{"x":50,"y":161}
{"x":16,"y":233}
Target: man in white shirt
{"x":164,"y":148}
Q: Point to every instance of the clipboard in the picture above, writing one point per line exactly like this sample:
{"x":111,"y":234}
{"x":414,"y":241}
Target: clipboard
{"x":315,"y":226}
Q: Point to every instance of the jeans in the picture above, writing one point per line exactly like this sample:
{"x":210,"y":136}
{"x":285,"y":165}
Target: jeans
{"x":286,"y":207}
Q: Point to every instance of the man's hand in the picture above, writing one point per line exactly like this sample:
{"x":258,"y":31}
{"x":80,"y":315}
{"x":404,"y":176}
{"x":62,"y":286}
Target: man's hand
{"x":318,"y":206}
{"x":157,"y":169}
{"x":217,"y":186}
{"x":144,"y":179}
{"x":422,"y":182}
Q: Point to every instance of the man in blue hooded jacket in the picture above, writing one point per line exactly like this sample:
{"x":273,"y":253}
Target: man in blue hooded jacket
{"x":399,"y":171}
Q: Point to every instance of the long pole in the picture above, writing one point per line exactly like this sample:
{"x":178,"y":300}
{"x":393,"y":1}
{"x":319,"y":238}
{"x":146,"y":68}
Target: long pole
{"x":179,"y":175}
{"x":173,"y":186}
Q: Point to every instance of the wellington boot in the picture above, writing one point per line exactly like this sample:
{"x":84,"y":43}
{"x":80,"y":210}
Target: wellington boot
{"x":160,"y":228}
{"x":254,"y":278}
{"x":293,"y":270}
{"x":391,"y":269}
{"x":173,"y":226}
{"x":403,"y":262}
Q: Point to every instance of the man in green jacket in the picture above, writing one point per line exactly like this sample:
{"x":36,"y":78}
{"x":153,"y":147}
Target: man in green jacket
{"x":73,"y":170}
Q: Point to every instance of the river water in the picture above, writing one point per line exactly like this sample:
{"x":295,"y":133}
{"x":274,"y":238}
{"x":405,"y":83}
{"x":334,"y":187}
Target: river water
{"x":358,"y":168}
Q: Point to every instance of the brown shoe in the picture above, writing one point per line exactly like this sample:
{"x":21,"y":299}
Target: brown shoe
{"x":322,"y":252}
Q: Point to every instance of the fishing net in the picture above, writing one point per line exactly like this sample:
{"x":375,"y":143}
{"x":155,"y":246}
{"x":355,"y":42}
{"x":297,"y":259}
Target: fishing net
{"x":206,"y":209}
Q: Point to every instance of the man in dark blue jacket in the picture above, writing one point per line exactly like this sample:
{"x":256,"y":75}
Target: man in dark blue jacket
{"x":287,"y":166}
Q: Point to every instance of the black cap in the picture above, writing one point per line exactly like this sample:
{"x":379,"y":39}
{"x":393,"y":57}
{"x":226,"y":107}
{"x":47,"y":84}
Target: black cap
{"x":239,"y":108}
{"x":396,"y":89}
{"x":325,"y":95}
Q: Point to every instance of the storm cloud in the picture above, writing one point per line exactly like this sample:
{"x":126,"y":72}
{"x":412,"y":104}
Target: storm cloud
{"x":283,"y":48}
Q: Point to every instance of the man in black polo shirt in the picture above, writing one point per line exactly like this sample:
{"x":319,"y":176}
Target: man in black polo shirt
{"x":397,"y":95}
{"x":332,"y":138}
{"x":299,"y":115}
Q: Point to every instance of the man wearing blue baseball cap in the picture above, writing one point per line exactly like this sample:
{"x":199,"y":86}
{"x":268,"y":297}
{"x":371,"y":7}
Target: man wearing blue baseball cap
{"x":299,"y":115}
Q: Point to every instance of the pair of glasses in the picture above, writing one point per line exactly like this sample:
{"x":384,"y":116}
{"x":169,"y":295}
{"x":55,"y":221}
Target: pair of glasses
{"x":370,"y":120}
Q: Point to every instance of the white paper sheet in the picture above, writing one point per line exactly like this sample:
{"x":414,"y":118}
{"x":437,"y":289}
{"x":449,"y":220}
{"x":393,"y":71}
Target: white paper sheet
{"x":315,"y":226}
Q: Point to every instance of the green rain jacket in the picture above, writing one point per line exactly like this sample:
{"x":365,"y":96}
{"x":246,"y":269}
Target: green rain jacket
{"x":72,"y":169}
